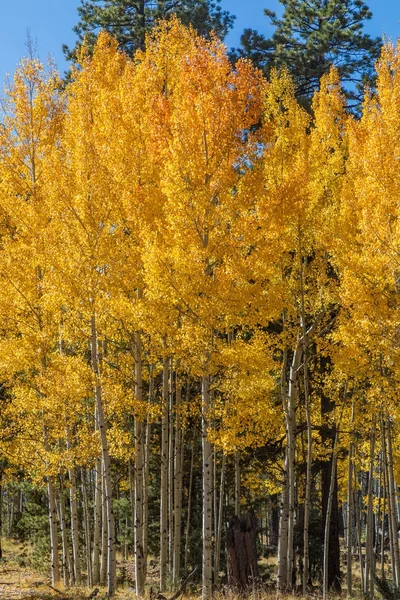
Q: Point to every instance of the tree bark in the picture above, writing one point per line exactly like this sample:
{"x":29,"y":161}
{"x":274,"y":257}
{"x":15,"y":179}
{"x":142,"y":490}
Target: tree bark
{"x":327,"y":437}
{"x":86,"y":526}
{"x":291,"y":444}
{"x":106,"y":461}
{"x":146,"y":471}
{"x":325,"y":582}
{"x":73,"y":492}
{"x":207,"y":492}
{"x":55,"y":567}
{"x":64,"y":536}
{"x":189,"y":507}
{"x":349,"y":532}
{"x":139,"y":455}
{"x":104,"y":528}
{"x":393,"y":506}
{"x":97,"y":524}
{"x":307,"y":496}
{"x":218,"y":535}
{"x":369,"y":546}
{"x":177,"y":512}
{"x":358,"y":511}
{"x":170,"y":469}
{"x":283,"y":533}
{"x":164,"y":481}
{"x":237,"y":483}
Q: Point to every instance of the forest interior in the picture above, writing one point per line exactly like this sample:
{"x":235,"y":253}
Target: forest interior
{"x":199,"y":347}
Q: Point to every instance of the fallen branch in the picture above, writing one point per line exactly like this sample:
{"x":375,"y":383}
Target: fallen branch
{"x":180,"y":592}
{"x":56,"y":590}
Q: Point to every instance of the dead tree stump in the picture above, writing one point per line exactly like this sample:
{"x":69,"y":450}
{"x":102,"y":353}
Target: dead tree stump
{"x":241,"y":539}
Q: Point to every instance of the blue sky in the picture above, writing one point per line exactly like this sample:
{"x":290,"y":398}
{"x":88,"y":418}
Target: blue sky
{"x":51,"y":22}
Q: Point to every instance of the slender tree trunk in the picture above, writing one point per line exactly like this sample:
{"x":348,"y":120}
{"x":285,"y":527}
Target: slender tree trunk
{"x":215,"y":499}
{"x":378,"y":516}
{"x":139,"y":455}
{"x":106,"y":461}
{"x":218,"y":536}
{"x":237,"y":483}
{"x":164,"y":482}
{"x":207,"y":492}
{"x":307,"y":495}
{"x":189,"y":508}
{"x":177,"y":513}
{"x":73,"y":493}
{"x":104,"y":528}
{"x":170,"y":470}
{"x":282,"y":580}
{"x":358,"y":511}
{"x":383,"y":515}
{"x":393,"y":506}
{"x":97,"y":523}
{"x":146,"y":471}
{"x":64,"y":536}
{"x":283,"y":533}
{"x":328,"y":520}
{"x":291,"y":444}
{"x":350,"y":511}
{"x":55,"y":567}
{"x":86,"y":526}
{"x":369,"y":548}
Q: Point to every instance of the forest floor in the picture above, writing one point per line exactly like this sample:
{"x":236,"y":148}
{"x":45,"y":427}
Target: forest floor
{"x":21,"y":582}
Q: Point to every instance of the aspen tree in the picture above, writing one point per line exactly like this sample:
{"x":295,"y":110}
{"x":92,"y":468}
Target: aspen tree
{"x":207,"y":113}
{"x":31,"y":126}
{"x":86,"y":225}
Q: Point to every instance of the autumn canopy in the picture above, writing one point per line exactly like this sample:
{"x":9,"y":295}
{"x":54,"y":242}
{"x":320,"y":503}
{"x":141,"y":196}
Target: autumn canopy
{"x":189,"y":259}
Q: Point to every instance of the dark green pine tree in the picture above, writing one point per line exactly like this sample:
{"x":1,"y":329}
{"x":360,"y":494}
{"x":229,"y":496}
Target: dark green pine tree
{"x":312,"y":35}
{"x":129,"y":20}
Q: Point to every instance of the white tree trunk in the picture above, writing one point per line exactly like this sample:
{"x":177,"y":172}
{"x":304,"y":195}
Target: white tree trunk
{"x":393,"y":506}
{"x":55,"y":566}
{"x":383,"y":513}
{"x":64,"y":535}
{"x":104,"y":528}
{"x":291,"y":446}
{"x":369,"y":549}
{"x":207,"y":492}
{"x":307,"y":495}
{"x":97,"y":523}
{"x":358,"y":510}
{"x":177,"y":512}
{"x":284,"y":514}
{"x":170,"y":468}
{"x":164,"y":482}
{"x":86,"y":526}
{"x":111,"y":564}
{"x":189,"y":507}
{"x":328,"y":520}
{"x":218,"y":534}
{"x":139,"y":456}
{"x":146,"y":472}
{"x":350,"y":504}
{"x":283,"y":533}
{"x":73,"y":494}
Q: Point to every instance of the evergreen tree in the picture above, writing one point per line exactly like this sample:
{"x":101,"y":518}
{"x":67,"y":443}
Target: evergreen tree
{"x":128,"y":20}
{"x":311,"y":36}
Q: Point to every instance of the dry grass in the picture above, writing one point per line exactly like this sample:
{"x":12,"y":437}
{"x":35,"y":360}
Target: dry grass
{"x":23,"y":583}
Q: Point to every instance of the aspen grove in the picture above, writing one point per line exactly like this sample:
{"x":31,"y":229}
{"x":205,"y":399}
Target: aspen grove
{"x":200,"y":317}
